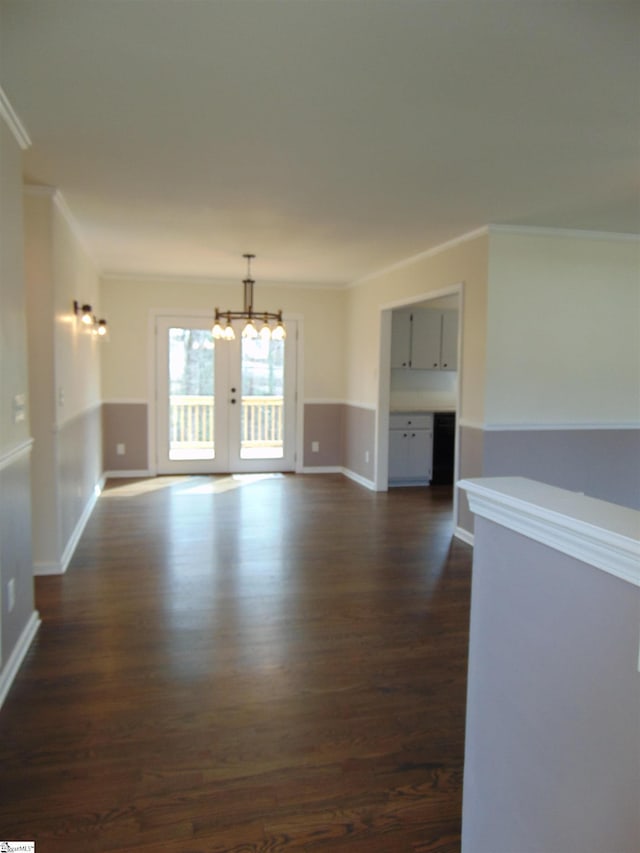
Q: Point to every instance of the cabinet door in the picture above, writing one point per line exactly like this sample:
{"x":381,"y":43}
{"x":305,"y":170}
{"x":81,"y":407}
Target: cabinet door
{"x":420,"y":454}
{"x":449,"y":346}
{"x":398,"y":454}
{"x":400,"y":339}
{"x":425,"y":339}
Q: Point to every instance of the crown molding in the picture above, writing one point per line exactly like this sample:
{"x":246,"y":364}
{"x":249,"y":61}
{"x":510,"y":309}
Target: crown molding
{"x":61,"y":204}
{"x":421,"y":256}
{"x":65,"y":211}
{"x":39,"y":190}
{"x":542,"y":231}
{"x":13,"y":121}
{"x":487,"y":230}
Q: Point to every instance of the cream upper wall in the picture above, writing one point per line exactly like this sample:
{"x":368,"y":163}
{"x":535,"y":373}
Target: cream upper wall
{"x":13,"y":332}
{"x":464,"y":262}
{"x":127,"y":304}
{"x":40,"y":300}
{"x":563,"y":330}
{"x":40,"y":330}
{"x":77,"y":352}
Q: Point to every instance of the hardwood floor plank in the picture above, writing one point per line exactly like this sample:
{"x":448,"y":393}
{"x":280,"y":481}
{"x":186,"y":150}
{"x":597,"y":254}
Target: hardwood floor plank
{"x":275,"y":667}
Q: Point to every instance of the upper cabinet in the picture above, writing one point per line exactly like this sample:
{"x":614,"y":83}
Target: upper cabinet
{"x":424,"y":339}
{"x":449,"y":341}
{"x":401,"y":339}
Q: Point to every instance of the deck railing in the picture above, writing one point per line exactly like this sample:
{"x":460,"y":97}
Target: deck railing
{"x":192,"y":422}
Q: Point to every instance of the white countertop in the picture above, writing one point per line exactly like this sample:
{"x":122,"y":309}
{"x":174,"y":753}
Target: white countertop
{"x":426,"y":411}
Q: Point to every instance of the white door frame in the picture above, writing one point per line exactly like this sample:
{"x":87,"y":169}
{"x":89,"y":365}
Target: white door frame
{"x":296,"y":338}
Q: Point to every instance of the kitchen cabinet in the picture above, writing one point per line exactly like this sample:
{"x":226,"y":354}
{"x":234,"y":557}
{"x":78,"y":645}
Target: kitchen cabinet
{"x":426,"y":333}
{"x":401,"y":339}
{"x":410,"y":449}
{"x":449,"y":341}
{"x":424,"y":339}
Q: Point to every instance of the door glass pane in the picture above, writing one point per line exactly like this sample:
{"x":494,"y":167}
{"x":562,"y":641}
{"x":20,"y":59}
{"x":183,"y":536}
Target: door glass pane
{"x":262,"y":413}
{"x":191,"y":396}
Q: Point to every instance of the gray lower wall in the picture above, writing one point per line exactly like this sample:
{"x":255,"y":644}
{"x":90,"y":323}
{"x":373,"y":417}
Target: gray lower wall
{"x":15,"y":549}
{"x":323,"y":423}
{"x":358,"y":438}
{"x":553,"y":708}
{"x":62,"y":496}
{"x":125,"y":423}
{"x":79,"y":469}
{"x":345,"y":435}
{"x":602,"y":463}
{"x":470,"y":464}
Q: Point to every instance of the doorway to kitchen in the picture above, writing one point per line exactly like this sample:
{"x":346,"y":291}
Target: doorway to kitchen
{"x":419,"y":391}
{"x":223,"y":406}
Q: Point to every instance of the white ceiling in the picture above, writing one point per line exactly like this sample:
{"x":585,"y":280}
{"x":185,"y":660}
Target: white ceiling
{"x":330,"y":137}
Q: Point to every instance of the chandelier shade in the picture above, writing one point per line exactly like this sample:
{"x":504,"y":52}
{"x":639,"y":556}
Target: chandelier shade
{"x":272,"y":327}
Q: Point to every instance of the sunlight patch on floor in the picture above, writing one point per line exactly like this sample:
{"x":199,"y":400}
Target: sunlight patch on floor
{"x":226,"y":484}
{"x":142,"y":487}
{"x":191,"y":485}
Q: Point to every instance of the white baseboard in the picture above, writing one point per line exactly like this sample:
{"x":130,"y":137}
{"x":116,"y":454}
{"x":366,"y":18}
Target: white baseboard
{"x":338,"y":469}
{"x":464,"y":535}
{"x":51,"y":568}
{"x":357,"y":478}
{"x":133,"y":473}
{"x":72,"y":544}
{"x":59,"y":568}
{"x":17,"y":655}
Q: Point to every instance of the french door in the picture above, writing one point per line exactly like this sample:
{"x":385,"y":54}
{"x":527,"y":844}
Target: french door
{"x":223,"y":406}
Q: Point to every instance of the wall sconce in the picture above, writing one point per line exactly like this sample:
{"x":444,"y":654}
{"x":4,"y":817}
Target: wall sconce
{"x":89,"y":319}
{"x":100,"y":329}
{"x":85,"y":313}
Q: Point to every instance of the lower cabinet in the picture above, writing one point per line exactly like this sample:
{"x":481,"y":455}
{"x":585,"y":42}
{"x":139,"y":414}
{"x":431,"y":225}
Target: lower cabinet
{"x":410,"y":449}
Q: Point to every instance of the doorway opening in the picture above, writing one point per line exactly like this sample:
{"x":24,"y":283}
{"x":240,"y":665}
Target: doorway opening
{"x":420,"y":375}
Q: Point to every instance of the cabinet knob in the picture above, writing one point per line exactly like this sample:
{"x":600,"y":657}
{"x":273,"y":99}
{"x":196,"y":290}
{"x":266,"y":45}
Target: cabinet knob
{"x":435,"y":363}
{"x":405,"y":435}
{"x":413,"y":435}
{"x":445,"y":364}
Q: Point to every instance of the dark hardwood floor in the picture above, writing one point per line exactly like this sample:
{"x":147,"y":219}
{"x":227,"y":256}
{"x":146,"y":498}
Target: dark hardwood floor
{"x":268,"y":664}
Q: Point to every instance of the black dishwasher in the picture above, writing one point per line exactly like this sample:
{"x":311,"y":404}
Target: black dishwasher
{"x":444,"y":442}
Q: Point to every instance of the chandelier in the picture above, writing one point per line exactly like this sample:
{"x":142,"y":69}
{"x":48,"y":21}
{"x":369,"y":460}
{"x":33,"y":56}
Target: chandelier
{"x":266,"y":332}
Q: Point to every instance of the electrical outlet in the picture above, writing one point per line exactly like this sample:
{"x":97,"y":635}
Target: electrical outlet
{"x":11,"y":595}
{"x":315,"y":447}
{"x":120,"y":449}
{"x":19,"y":408}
